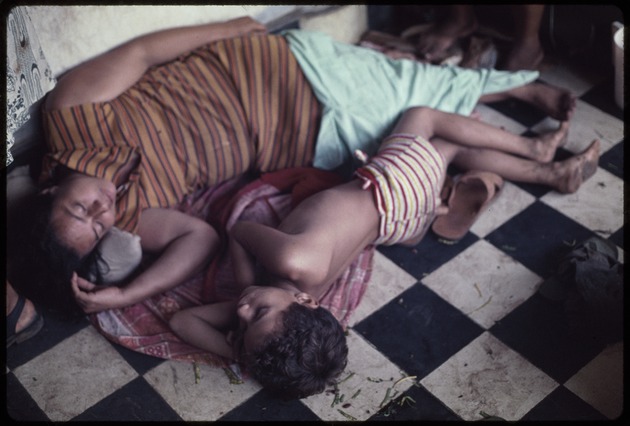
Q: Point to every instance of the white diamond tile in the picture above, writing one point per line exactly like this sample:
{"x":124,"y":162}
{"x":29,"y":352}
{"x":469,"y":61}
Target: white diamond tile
{"x":484,"y":283}
{"x":589,"y":123}
{"x":487,"y":376}
{"x":205,"y":398}
{"x":367,"y":384}
{"x":388,"y":281}
{"x":600,"y":382}
{"x":597,"y":204}
{"x":74,"y":375}
{"x":561,"y":76}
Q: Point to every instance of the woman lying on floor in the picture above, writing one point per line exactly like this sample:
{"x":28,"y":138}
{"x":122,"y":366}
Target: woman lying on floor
{"x":131,"y":132}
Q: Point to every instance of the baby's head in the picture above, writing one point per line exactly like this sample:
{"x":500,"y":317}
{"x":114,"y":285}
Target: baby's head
{"x":290,"y":344}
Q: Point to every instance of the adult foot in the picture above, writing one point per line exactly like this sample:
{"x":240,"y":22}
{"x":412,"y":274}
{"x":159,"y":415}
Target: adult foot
{"x":526,"y":56}
{"x":556,"y":102}
{"x":28,"y":323}
{"x":571,"y":173}
{"x":544,"y":147}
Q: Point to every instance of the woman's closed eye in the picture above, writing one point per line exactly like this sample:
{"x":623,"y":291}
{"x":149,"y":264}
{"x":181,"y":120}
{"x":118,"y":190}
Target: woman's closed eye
{"x":80,"y":208}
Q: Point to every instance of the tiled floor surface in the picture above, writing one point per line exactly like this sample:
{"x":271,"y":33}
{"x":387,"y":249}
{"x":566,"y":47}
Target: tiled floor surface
{"x":445,"y":332}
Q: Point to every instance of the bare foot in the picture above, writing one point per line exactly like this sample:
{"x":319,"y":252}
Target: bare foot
{"x":544,"y":147}
{"x":526,"y":56}
{"x":571,"y":173}
{"x":556,"y":102}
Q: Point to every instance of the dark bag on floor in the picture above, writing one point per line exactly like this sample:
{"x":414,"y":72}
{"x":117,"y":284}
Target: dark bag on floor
{"x":589,"y":282}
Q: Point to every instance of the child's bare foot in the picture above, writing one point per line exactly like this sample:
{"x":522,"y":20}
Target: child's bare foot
{"x":544,"y":147}
{"x":571,"y":173}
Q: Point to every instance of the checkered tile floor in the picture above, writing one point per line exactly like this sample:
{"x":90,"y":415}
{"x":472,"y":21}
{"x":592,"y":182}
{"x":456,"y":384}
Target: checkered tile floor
{"x":445,"y":332}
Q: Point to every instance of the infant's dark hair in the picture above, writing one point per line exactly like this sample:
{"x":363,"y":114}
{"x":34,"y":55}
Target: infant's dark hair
{"x":307,"y":355}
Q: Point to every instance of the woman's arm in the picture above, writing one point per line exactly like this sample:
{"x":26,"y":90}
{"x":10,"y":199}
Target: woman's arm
{"x":111,"y":73}
{"x":184,"y":243}
{"x":205,"y":327}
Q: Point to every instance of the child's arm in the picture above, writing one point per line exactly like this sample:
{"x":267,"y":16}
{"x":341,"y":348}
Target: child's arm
{"x":277,"y":252}
{"x":206,"y":326}
{"x":243,"y":264}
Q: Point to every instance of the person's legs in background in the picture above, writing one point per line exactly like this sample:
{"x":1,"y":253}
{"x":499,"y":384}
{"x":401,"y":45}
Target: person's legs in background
{"x":525,"y":53}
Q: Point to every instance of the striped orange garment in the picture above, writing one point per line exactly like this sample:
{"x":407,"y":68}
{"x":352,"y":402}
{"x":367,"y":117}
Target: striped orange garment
{"x":227,"y":108}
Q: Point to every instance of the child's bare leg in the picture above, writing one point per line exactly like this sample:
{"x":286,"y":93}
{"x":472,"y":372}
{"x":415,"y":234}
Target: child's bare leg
{"x":466,"y":131}
{"x":556,"y":102}
{"x":564,"y":176}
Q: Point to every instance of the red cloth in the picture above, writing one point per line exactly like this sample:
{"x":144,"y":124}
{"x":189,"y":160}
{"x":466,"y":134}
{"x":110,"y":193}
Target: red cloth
{"x":144,"y":328}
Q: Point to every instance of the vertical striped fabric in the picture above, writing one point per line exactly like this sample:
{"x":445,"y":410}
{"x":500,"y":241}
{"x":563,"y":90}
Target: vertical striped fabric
{"x":407,"y":174}
{"x":227,"y":108}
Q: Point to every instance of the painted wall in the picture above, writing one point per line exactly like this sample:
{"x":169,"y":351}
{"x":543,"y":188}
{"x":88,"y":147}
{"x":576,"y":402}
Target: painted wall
{"x":71,"y":34}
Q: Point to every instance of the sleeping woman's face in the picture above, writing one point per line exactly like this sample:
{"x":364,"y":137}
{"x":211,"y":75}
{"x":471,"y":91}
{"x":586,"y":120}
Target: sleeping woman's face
{"x":83,"y":211}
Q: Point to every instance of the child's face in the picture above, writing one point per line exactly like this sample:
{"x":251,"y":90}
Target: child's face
{"x":260,"y":311}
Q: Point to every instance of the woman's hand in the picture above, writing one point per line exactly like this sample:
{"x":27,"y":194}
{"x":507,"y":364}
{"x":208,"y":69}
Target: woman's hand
{"x":92,"y":298}
{"x":246,"y":25}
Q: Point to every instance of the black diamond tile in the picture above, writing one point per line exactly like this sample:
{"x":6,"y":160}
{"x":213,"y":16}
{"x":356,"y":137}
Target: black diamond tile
{"x":419,"y":349}
{"x":563,"y":405}
{"x":139,"y":361}
{"x":544,"y":332}
{"x":136,"y":401}
{"x":534,"y":189}
{"x":428,"y":255}
{"x":53,"y":332}
{"x":617,"y":238}
{"x":538,"y":237}
{"x":613,"y":159}
{"x":264,"y":407}
{"x":415,"y":404}
{"x":20,"y":405}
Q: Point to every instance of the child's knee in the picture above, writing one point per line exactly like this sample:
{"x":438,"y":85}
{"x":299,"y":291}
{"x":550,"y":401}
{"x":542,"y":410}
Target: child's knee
{"x":418,"y":112}
{"x":176,"y":321}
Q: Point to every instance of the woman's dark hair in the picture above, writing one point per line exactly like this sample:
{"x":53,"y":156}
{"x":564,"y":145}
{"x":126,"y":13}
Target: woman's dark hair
{"x":39,"y":266}
{"x":308,"y":353}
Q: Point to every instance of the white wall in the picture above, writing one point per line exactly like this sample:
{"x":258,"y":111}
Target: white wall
{"x":71,"y":34}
